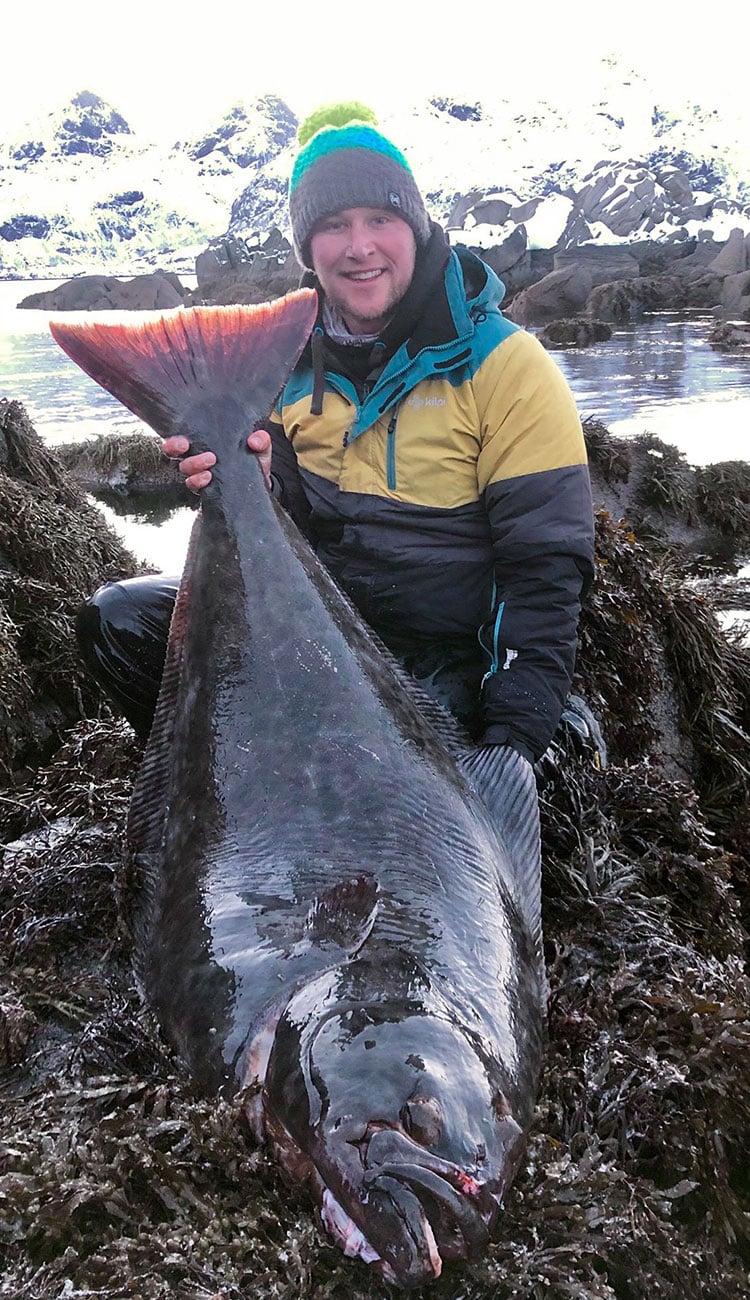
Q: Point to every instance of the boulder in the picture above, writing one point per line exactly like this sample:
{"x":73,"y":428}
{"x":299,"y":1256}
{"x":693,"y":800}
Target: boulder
{"x":232,"y":270}
{"x":703,"y":291}
{"x":461,"y":208}
{"x":604,"y":261}
{"x":677,"y":185}
{"x":733,"y":257}
{"x":735,"y":296}
{"x":730,"y":336}
{"x":622,"y":199}
{"x":505,"y":253}
{"x":576,"y":332}
{"x":565,"y":290}
{"x":493,"y":210}
{"x":158,"y":291}
{"x":625,"y":299}
{"x":559,"y":294}
{"x":525,"y":211}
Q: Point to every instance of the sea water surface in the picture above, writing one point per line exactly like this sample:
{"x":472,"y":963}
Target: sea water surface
{"x":659,"y":375}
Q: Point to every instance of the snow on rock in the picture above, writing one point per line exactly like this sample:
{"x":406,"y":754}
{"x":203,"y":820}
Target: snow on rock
{"x":80,"y":192}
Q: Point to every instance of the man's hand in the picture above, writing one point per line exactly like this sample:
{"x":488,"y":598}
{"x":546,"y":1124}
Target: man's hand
{"x":197,"y":469}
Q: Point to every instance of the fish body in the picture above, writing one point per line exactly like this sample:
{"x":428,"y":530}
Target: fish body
{"x":334,"y":922}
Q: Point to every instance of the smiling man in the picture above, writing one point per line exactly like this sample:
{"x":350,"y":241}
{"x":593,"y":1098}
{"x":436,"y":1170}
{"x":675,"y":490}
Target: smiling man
{"x":430,"y":449}
{"x":364,"y":259}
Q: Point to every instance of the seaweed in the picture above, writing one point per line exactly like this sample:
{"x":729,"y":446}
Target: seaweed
{"x":55,"y":548}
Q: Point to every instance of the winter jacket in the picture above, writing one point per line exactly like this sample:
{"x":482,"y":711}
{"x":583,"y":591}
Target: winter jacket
{"x":450,"y":498}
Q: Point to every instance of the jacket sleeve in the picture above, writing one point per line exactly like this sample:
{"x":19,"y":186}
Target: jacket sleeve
{"x":534,"y":478}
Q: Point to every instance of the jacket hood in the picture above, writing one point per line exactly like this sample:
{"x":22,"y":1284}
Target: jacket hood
{"x":484,"y":290}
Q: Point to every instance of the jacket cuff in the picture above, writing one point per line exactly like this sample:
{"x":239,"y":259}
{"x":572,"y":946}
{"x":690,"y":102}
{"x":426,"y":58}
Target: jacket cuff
{"x":499,"y":733}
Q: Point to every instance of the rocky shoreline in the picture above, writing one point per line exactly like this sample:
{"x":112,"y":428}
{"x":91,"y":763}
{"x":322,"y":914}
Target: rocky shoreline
{"x":586,"y":290}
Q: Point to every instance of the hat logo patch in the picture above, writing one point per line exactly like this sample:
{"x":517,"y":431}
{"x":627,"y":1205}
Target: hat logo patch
{"x":394,"y":200}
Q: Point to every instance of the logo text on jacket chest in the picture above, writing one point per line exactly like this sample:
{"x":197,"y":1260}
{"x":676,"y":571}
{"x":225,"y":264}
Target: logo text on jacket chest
{"x":416,"y":402}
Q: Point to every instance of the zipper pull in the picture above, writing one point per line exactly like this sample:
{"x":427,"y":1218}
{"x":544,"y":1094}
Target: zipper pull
{"x":345,"y":441}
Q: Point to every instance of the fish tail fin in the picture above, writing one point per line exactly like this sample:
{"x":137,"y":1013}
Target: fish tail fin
{"x":165,"y":367}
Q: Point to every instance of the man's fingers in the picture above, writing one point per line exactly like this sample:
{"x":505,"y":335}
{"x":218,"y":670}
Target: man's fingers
{"x":197,"y":469}
{"x":197,"y":481}
{"x":259,"y":442}
{"x":175,"y":447}
{"x":194,"y":465}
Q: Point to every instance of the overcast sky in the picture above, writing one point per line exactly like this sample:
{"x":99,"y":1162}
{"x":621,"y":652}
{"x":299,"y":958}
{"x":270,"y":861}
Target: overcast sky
{"x":170,"y":72}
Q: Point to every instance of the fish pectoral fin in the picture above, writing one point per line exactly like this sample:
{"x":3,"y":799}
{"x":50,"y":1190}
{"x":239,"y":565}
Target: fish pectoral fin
{"x":344,"y":916}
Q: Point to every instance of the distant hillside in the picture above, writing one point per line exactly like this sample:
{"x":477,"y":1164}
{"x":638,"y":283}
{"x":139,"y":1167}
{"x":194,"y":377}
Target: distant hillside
{"x":81,"y":192}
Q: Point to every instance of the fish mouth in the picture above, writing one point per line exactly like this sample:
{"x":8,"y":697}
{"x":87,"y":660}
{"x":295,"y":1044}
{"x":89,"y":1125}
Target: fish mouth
{"x":416,"y":1211}
{"x":442,"y":1201}
{"x":389,"y":1202}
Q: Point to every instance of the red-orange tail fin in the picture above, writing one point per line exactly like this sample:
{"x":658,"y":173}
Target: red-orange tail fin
{"x":163,"y":366}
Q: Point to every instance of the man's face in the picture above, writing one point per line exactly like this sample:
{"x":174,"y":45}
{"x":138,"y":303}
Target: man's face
{"x":364,"y":260}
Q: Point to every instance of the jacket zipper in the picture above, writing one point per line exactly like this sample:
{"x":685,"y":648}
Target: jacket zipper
{"x":390,"y":451}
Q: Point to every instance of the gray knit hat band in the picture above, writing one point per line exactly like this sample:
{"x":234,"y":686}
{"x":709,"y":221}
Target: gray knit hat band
{"x":354,"y":178}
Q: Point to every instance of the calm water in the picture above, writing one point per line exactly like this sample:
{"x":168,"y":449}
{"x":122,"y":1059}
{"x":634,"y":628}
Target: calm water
{"x":659,"y":376}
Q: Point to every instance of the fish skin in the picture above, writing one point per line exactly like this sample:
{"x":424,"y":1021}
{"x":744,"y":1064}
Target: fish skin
{"x":333,"y":922}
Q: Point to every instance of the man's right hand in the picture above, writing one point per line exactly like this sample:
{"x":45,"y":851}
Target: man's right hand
{"x":197,"y":469}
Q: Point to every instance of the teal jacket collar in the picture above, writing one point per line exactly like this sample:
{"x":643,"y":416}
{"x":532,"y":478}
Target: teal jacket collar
{"x":466,"y":294}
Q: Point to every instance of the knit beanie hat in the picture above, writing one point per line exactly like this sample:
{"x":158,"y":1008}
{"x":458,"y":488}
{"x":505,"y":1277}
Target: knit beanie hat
{"x":344,"y":162}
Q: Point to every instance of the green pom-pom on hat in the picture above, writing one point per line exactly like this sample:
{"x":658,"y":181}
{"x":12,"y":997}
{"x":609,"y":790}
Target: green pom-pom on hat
{"x":350,"y":110}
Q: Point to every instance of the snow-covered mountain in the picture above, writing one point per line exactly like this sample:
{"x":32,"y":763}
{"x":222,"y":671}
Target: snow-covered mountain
{"x":81,"y":192}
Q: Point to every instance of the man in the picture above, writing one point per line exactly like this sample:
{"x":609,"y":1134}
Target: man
{"x":430,"y":449}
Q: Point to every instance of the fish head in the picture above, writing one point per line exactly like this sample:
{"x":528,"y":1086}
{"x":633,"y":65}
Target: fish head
{"x":399,"y":1118}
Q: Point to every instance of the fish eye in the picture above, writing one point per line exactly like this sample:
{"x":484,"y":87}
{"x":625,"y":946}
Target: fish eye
{"x":422,"y":1120}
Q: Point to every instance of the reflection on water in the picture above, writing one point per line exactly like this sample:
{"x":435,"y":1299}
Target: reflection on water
{"x":662,"y":376}
{"x":63,"y":404}
{"x":161,"y":545}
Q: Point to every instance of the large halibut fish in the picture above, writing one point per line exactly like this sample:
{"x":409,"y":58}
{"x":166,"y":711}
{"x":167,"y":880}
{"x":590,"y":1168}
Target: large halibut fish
{"x":334,"y":922}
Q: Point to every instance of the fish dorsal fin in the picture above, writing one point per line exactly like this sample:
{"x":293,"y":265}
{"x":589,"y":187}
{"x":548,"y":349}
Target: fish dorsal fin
{"x":506,"y":784}
{"x":149,"y":803}
{"x":162,"y":367}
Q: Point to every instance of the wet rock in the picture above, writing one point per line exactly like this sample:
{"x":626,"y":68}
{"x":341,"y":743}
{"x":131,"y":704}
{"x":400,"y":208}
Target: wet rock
{"x":157,"y":291}
{"x":559,"y":294}
{"x":627,"y":299}
{"x":565,"y":291}
{"x":733,"y":256}
{"x":730,"y":336}
{"x":578,"y":332}
{"x":735,"y":296}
